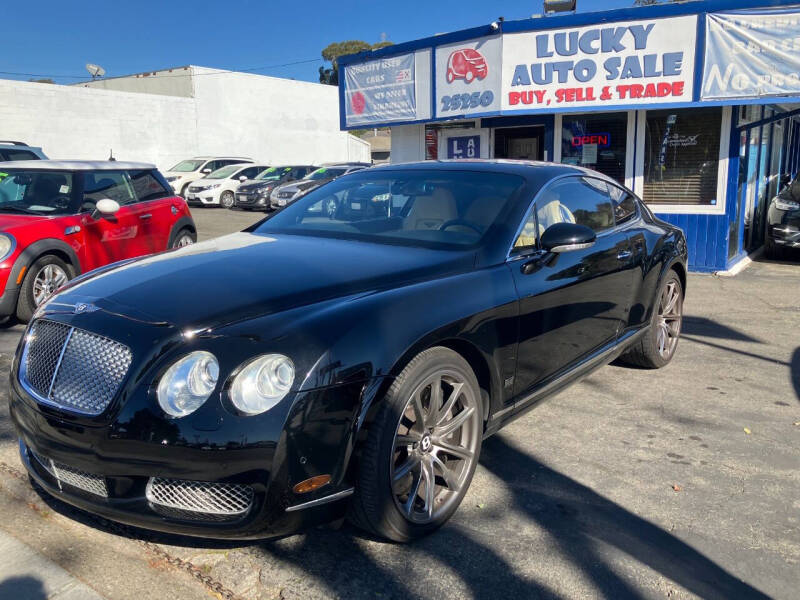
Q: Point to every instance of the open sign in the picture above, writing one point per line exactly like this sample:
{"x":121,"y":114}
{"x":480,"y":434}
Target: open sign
{"x":603,"y":140}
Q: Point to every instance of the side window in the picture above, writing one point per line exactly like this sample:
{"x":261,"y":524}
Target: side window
{"x":251,"y":172}
{"x":19,"y":155}
{"x":624,"y":204}
{"x":582,"y":200}
{"x":529,"y":233}
{"x":146,"y":186}
{"x":210,"y":166}
{"x":106,"y":184}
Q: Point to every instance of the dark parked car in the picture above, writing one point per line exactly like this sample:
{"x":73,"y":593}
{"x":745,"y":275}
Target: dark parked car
{"x":783,"y":221}
{"x":361,"y":371}
{"x":254,"y":194}
{"x":289,"y":192}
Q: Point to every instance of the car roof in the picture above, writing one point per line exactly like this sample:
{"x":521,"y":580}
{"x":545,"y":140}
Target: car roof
{"x":220,"y":157}
{"x":538,"y":171}
{"x":346,"y":164}
{"x":75,"y":165}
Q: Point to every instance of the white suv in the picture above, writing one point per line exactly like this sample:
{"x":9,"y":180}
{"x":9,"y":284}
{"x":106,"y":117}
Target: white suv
{"x":217,"y":188}
{"x":187,"y":171}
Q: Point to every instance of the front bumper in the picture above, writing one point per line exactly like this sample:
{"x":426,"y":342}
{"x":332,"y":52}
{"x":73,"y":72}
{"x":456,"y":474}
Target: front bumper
{"x":251,"y":201}
{"x":201,"y":198}
{"x":783,"y":227}
{"x":131,"y":444}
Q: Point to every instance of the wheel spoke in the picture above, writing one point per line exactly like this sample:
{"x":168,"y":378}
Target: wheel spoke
{"x":453,"y":450}
{"x":430,"y":487}
{"x":450,"y":478}
{"x":406,"y":467}
{"x":455,"y":423}
{"x":435,"y":403}
{"x":405,"y":440}
{"x":412,"y":495}
{"x":419,"y":411}
{"x":451,"y":400}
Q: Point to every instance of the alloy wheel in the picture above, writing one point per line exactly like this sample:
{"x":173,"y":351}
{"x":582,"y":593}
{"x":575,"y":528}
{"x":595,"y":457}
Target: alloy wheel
{"x":668,"y":324}
{"x":435,"y":444}
{"x":184,"y":240}
{"x":48,"y":280}
{"x":227,"y":199}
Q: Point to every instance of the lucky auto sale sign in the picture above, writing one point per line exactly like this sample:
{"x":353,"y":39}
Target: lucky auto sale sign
{"x":623,"y":63}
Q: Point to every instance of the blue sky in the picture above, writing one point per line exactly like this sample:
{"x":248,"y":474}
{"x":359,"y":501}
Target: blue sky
{"x":56,"y":38}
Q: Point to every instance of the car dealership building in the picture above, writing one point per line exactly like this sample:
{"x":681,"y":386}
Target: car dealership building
{"x":695,"y":106}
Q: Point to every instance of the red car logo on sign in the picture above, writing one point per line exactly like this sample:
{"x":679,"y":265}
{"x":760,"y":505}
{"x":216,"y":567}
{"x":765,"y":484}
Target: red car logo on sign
{"x":466,"y":64}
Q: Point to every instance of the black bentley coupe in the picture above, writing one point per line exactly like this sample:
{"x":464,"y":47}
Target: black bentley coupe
{"x":320,"y":364}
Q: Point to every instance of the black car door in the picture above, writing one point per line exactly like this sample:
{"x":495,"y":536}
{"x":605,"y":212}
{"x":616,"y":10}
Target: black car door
{"x":570,"y":303}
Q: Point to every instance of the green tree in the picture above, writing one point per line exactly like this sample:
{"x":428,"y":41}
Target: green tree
{"x":332,"y":52}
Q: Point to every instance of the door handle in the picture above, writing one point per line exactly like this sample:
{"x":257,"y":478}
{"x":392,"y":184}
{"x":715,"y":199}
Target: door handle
{"x":146,"y":216}
{"x":624,"y":255}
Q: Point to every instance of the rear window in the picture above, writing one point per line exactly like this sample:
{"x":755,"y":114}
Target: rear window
{"x":10,"y":154}
{"x":147,"y":187}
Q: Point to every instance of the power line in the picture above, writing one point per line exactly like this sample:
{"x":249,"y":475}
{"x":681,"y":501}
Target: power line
{"x":217,"y":72}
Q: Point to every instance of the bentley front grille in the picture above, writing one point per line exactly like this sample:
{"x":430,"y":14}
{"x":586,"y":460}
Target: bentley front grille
{"x":197,"y":499}
{"x":72,"y":368}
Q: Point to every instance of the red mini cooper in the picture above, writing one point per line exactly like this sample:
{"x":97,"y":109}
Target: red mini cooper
{"x":62,"y":218}
{"x":466,"y":64}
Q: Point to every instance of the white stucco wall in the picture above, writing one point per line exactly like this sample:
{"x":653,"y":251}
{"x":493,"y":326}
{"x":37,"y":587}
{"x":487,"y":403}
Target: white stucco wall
{"x":269,"y":119}
{"x":76,"y":122}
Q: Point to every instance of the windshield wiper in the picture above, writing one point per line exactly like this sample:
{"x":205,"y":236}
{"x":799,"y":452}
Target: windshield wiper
{"x":19,"y":209}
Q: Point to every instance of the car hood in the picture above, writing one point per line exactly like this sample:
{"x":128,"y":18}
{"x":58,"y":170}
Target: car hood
{"x":10,"y":222}
{"x":254,"y":184}
{"x":245,"y":275}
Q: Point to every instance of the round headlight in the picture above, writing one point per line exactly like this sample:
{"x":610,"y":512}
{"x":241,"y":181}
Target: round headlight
{"x":188,"y":383}
{"x":262,"y":383}
{"x":6,"y":246}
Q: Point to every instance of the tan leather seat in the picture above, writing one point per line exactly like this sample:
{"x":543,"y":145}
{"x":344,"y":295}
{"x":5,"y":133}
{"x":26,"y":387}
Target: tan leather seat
{"x":432,"y":211}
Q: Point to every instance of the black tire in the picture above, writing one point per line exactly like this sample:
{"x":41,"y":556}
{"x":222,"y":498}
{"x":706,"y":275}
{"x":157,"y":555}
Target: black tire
{"x":26,"y":303}
{"x":227,"y":199}
{"x":645,"y":353}
{"x":772,"y":251}
{"x":374,"y":506}
{"x":185,"y":232}
{"x":183,"y":191}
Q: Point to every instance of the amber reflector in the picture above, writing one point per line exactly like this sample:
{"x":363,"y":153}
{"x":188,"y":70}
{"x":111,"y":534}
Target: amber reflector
{"x":309,"y":485}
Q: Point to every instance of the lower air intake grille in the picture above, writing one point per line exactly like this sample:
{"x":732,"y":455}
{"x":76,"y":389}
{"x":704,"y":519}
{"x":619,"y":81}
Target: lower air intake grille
{"x":200,"y":497}
{"x":94,"y":484}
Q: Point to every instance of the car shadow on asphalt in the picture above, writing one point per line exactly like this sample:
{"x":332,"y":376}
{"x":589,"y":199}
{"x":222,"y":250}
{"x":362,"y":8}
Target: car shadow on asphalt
{"x":583,"y":526}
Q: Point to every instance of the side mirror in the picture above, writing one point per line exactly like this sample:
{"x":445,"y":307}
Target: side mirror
{"x":105,"y":208}
{"x":566,"y":237}
{"x":206,"y":171}
{"x":242,"y":178}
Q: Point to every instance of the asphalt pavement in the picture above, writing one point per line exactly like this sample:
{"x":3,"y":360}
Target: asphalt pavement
{"x":677,"y":483}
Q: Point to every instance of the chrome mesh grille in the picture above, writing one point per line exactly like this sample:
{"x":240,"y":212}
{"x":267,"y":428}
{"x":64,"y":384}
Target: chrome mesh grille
{"x":94,"y":484}
{"x":72,"y":368}
{"x":200,"y":497}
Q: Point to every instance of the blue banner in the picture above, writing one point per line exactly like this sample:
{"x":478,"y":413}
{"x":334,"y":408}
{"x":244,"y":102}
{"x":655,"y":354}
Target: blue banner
{"x":467,"y":146}
{"x":752,"y":54}
{"x":380,"y":91}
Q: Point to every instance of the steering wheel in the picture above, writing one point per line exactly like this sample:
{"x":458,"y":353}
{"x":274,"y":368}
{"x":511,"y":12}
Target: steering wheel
{"x":60,"y":201}
{"x":469,"y":224}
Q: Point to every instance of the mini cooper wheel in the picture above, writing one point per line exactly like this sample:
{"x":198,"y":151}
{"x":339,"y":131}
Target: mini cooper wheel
{"x":44,"y":277}
{"x":657,"y":346}
{"x":422,"y":449}
{"x":184,"y":238}
{"x":227,"y":199}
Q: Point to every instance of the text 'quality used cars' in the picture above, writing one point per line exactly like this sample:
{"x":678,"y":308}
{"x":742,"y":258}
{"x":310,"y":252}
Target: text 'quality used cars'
{"x":358,"y":374}
{"x":59,"y":219}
